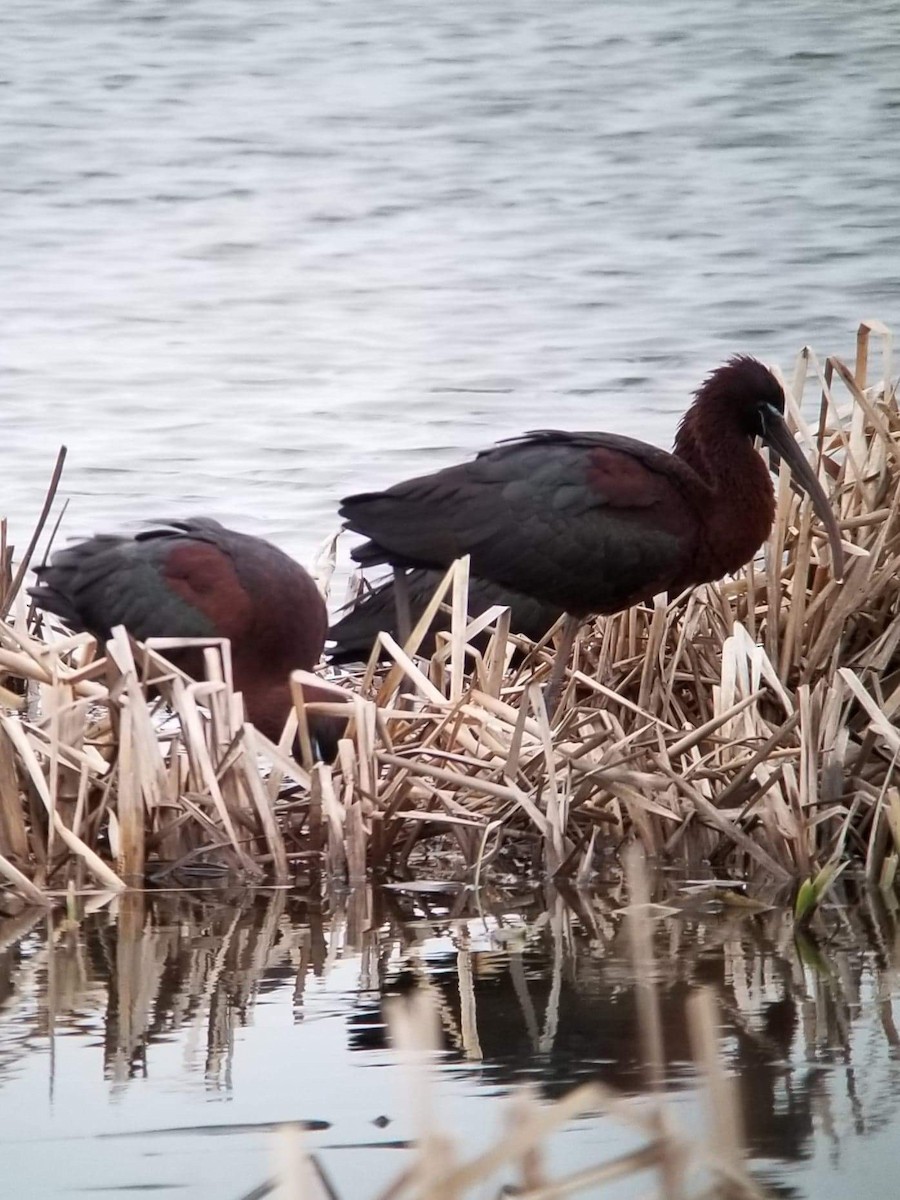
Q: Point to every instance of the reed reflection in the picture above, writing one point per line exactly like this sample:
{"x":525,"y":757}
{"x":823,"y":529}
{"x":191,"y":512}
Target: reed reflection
{"x":530,"y":985}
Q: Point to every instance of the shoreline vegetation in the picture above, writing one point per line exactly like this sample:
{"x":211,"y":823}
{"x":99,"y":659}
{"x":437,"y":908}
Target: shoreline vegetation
{"x":746,"y":730}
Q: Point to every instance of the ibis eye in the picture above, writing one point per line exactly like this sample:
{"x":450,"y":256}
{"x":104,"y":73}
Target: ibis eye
{"x":757,"y":422}
{"x":768,"y":415}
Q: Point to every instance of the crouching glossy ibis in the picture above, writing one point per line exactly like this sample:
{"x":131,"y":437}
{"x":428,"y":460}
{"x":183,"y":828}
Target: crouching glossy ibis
{"x":596,"y":522}
{"x":195,"y":578}
{"x":353,"y":636}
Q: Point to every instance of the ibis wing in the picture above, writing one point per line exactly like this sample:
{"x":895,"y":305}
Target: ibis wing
{"x":247,"y":587}
{"x":190,"y":579}
{"x":108,"y":581}
{"x":586,"y":522}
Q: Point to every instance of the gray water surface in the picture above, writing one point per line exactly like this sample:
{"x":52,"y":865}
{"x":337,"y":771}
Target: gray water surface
{"x":257,"y":254}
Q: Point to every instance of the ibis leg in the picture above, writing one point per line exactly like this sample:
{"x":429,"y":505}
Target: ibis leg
{"x":570,"y":628}
{"x":401,"y":603}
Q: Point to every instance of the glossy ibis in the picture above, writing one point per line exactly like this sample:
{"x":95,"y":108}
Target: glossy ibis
{"x":195,"y":578}
{"x":353,"y":636}
{"x":596,"y":522}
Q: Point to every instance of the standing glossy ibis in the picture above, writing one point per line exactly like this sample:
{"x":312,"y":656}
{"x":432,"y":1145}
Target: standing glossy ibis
{"x":595,"y":522}
{"x":353,"y":636}
{"x":196,"y":578}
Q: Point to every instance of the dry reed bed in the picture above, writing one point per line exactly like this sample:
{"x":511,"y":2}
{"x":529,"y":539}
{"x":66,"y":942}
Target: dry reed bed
{"x":751,"y":722}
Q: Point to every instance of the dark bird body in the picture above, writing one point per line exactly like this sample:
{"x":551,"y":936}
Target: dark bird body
{"x":595,"y":522}
{"x":355,"y":633}
{"x":196,"y":578}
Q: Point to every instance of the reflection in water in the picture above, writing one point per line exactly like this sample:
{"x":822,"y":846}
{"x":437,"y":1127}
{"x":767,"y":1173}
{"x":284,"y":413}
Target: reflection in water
{"x":530,"y":986}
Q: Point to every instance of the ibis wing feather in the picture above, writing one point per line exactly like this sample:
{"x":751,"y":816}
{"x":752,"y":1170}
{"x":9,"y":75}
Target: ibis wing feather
{"x":189,"y":579}
{"x":248,"y":588}
{"x":108,"y":581}
{"x":613,"y":517}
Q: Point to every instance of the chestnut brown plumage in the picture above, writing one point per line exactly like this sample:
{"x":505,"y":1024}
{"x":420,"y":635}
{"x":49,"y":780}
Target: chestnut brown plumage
{"x":595,"y":522}
{"x":195,"y":578}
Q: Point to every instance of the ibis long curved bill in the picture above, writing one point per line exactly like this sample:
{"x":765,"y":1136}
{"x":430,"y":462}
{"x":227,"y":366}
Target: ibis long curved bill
{"x":777,"y":436}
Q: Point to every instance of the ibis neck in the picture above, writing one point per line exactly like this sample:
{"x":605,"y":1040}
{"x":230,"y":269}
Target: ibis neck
{"x":266,"y":704}
{"x":739,"y":504}
{"x":268,"y":707}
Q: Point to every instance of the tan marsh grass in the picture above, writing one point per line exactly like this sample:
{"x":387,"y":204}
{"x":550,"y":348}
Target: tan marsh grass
{"x":750,"y":724}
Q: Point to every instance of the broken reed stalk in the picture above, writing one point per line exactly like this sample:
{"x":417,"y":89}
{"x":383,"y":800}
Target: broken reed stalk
{"x":8,"y":595}
{"x":752,"y":723}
